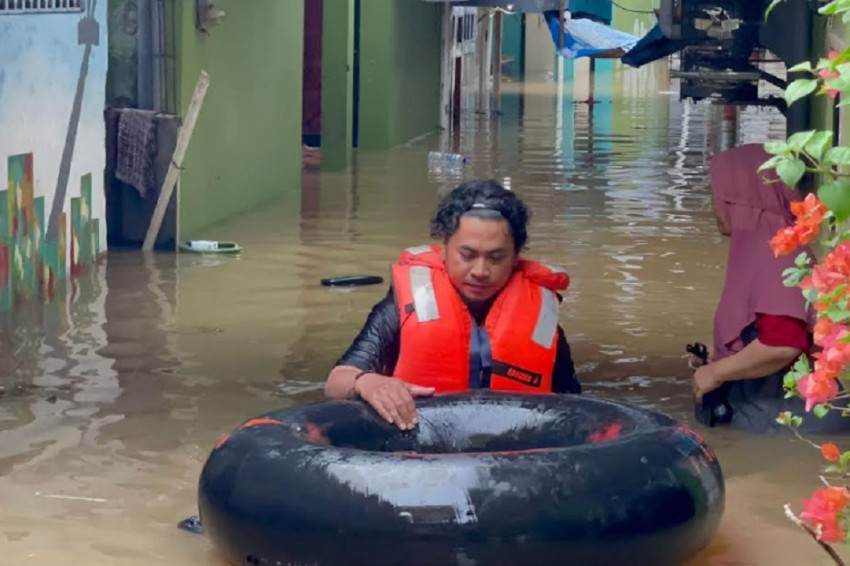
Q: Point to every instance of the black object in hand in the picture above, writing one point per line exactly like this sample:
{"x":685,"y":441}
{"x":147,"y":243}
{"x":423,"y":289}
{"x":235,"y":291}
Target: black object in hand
{"x":699,"y":350}
{"x":714,"y":408}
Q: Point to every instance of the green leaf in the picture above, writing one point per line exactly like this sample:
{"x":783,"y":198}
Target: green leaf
{"x":772,"y":163}
{"x":770,"y":8}
{"x":796,"y":421}
{"x":797,"y":141}
{"x":802,"y":260}
{"x":791,"y":171}
{"x":845,"y":459}
{"x":793,"y":275}
{"x":818,"y":144}
{"x":820,"y":411}
{"x":800,"y":67}
{"x":798,"y":89}
{"x":838,"y":155}
{"x":835,"y":7}
{"x":789,"y":382}
{"x":776,"y":147}
{"x":794,"y":278}
{"x":845,"y":101}
{"x":836,"y":196}
{"x":843,"y":57}
{"x":840,"y":83}
{"x":784,"y":418}
{"x":846,"y":17}
{"x":802,"y":365}
{"x":810,"y":295}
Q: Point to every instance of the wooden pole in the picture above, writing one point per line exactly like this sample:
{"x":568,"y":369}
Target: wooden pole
{"x":174,"y":167}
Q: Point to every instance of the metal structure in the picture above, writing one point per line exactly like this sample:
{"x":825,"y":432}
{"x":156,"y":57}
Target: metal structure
{"x":721,"y":39}
{"x":720,"y":43}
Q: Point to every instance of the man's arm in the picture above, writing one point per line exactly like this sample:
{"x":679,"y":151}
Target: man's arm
{"x":375,"y":349}
{"x":564,"y":378}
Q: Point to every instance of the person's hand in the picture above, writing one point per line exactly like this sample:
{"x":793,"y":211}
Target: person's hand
{"x":391,"y":398}
{"x":705,"y":381}
{"x":694,"y":362}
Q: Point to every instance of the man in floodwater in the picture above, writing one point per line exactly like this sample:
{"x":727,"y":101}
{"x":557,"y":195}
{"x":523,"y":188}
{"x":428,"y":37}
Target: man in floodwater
{"x":470,"y":314}
{"x":760,"y":325}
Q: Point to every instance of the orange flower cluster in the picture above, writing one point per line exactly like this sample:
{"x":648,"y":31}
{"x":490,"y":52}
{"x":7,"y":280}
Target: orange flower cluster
{"x":822,"y":510}
{"x":831,"y":452}
{"x":831,"y":278}
{"x":809,"y":214}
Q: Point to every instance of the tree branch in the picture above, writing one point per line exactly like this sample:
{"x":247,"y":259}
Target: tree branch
{"x":828,"y":549}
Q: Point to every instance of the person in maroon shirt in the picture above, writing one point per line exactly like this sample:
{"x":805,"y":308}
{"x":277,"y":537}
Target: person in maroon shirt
{"x":760,"y":326}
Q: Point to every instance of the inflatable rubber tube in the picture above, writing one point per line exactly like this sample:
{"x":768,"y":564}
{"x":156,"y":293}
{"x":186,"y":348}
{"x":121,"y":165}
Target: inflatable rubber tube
{"x":485,"y":478}
{"x":350,"y":280}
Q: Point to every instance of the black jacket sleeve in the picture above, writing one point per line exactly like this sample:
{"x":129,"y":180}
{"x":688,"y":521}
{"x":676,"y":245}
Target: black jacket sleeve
{"x":564,"y":378}
{"x":376,"y":347}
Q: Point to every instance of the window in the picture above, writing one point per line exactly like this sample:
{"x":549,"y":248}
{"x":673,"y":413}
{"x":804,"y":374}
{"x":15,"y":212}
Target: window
{"x":9,"y":7}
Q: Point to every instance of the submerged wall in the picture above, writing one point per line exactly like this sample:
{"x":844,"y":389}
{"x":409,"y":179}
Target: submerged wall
{"x":52,"y":151}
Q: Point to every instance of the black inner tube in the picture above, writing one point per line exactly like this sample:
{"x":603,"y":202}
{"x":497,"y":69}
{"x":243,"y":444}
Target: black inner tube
{"x":351,"y":280}
{"x":467,"y":428}
{"x":485,"y":479}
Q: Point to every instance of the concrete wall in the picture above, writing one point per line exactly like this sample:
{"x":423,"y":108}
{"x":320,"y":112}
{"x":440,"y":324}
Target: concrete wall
{"x":50,"y":215}
{"x":122,"y":77}
{"x":246,"y":147}
{"x":399,"y":71}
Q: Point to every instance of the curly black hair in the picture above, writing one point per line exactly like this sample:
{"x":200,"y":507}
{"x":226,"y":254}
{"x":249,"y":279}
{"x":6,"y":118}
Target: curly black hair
{"x":483,"y":199}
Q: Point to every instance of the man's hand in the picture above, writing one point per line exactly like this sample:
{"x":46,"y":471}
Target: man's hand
{"x":392,"y":398}
{"x":706,"y":380}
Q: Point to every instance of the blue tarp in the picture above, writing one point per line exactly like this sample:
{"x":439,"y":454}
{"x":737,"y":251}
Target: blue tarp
{"x":586,"y":38}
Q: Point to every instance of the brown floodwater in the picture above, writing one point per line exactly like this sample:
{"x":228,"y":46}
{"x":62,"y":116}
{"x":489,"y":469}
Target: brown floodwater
{"x":114,"y":397}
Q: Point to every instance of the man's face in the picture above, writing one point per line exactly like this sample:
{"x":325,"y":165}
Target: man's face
{"x":480,"y":258}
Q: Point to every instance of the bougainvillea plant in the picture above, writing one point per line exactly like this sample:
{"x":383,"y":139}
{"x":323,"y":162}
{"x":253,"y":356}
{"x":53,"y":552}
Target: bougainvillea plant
{"x":820,"y":378}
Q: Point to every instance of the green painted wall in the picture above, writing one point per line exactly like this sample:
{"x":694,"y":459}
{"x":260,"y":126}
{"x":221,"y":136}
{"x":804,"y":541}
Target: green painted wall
{"x":399,"y":71}
{"x":246,"y":147}
{"x":512,"y":36}
{"x":337,"y":83}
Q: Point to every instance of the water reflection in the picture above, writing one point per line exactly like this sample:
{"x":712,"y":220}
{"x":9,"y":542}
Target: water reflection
{"x":114,"y":395}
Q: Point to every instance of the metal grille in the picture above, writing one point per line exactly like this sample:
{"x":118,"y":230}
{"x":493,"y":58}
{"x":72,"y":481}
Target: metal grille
{"x":14,"y":7}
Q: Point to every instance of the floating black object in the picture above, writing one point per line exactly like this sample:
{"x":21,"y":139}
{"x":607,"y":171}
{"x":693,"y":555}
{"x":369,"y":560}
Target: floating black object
{"x":352,"y":280}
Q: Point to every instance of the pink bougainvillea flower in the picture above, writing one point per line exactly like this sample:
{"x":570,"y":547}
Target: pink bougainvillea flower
{"x":822,"y":509}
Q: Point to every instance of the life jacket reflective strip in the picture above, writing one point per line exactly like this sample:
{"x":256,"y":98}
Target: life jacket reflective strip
{"x":436,"y":326}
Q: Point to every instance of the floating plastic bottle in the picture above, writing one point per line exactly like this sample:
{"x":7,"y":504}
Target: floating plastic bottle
{"x":202,"y":245}
{"x":439,"y":158}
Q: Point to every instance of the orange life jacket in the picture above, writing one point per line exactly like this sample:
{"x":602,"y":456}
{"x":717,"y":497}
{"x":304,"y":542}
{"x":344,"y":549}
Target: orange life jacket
{"x":436,"y":326}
